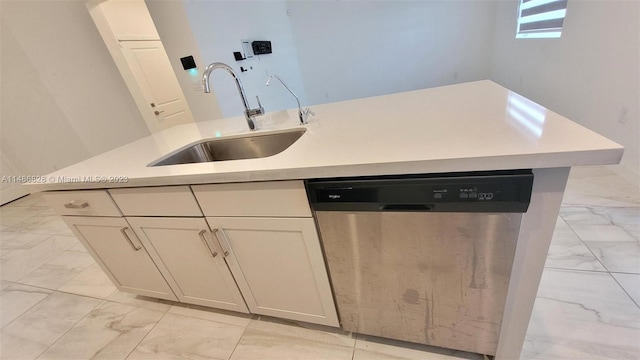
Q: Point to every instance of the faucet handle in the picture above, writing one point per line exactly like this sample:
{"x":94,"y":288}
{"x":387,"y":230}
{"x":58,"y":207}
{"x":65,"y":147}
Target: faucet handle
{"x":304,"y":115}
{"x":260,"y":108}
{"x":254,"y":112}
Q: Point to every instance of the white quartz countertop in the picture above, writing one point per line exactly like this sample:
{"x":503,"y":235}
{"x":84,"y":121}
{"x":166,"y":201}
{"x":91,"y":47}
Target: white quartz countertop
{"x":466,"y":127}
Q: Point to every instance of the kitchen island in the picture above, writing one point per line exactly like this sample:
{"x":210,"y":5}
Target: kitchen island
{"x":478,"y":126}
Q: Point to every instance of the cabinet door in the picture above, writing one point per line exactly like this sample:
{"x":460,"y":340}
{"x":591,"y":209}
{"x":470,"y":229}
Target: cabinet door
{"x":184,"y":250}
{"x":279,"y":266}
{"x":121,"y":255}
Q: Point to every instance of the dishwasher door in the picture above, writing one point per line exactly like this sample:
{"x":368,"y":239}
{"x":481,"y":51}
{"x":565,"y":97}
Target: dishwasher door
{"x":427,"y":277}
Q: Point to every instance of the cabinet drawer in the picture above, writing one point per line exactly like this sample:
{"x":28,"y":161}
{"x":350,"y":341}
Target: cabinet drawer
{"x":273,"y":198}
{"x":85,"y":202}
{"x":156,"y":201}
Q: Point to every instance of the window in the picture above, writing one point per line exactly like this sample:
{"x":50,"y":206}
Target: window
{"x":541,"y":18}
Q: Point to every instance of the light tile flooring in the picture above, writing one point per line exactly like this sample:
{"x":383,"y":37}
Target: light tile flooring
{"x":56,"y":303}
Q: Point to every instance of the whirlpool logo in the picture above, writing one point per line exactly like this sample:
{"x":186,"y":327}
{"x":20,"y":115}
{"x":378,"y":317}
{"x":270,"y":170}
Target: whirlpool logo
{"x":334,"y":196}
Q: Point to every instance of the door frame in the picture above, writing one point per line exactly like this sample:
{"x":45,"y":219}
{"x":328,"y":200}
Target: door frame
{"x":113,"y":46}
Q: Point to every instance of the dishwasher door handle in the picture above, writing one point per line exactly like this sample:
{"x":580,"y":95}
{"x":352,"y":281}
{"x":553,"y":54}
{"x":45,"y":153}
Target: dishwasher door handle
{"x":406,"y":207}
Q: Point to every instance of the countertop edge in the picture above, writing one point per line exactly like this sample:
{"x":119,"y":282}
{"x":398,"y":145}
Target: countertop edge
{"x":508,"y":162}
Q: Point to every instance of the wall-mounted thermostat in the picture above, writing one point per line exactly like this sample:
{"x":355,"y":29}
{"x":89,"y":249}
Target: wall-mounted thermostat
{"x":261,"y":47}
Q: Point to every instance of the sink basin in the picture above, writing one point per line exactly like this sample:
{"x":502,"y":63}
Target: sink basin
{"x":223,"y":149}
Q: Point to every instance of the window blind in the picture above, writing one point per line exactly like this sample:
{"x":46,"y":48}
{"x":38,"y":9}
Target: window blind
{"x":541,"y":18}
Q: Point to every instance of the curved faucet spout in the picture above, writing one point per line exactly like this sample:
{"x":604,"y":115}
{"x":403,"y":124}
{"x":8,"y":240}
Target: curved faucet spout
{"x":249,"y":113}
{"x":302,"y":114}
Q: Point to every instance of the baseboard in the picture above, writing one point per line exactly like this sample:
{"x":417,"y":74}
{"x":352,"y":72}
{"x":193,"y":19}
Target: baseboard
{"x":11,"y":194}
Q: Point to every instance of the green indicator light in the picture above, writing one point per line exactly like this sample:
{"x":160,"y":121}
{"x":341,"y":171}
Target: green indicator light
{"x":218,"y":134}
{"x":193,"y":71}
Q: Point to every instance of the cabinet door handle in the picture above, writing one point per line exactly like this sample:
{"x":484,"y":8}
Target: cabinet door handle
{"x":73,"y":205}
{"x":124,"y":233}
{"x":206,"y":243}
{"x":215,"y":233}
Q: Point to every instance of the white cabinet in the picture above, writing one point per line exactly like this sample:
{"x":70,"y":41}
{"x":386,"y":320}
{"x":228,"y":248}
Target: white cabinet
{"x":265,"y":198}
{"x":82,"y":203}
{"x":184,"y":251}
{"x":156,"y":201}
{"x":278,"y":265}
{"x":263,"y":255}
{"x":120,"y":254}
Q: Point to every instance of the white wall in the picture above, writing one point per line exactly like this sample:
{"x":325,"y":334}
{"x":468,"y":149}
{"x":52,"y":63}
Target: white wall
{"x":135,"y":24}
{"x":355,"y":49}
{"x":219,"y":27}
{"x":330,"y":51}
{"x":590,"y":75}
{"x":171,"y":22}
{"x":63,"y":100}
{"x":9,"y":191}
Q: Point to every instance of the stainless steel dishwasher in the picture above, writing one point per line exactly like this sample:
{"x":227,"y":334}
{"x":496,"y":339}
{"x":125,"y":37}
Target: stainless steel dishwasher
{"x":422,"y":258}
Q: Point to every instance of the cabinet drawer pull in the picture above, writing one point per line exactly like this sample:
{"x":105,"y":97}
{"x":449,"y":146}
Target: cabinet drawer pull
{"x":73,"y":205}
{"x":215,"y":233}
{"x":124,"y":233}
{"x":206,"y":243}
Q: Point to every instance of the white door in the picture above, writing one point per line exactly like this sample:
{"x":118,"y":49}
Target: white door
{"x":10,"y":188}
{"x":120,"y":254}
{"x":152,"y":70}
{"x":191,"y":261}
{"x":279,"y":267}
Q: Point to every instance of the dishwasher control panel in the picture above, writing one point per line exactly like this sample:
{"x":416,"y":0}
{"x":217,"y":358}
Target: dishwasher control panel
{"x":499,"y":191}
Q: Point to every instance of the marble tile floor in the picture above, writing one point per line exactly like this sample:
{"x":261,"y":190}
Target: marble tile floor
{"x":56,"y":303}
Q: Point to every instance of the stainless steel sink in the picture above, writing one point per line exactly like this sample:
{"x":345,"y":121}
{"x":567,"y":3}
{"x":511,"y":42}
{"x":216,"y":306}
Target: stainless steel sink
{"x":223,"y":149}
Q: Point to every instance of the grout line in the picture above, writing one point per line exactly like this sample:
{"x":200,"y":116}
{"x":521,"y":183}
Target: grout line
{"x":62,"y":291}
{"x":84,"y":317}
{"x":579,"y":270}
{"x":625,"y":273}
{"x":625,"y":290}
{"x":84,"y":295}
{"x":146,"y":335}
{"x":355,"y":342}
{"x":238,"y":342}
{"x":8,"y":281}
{"x":45,"y":263}
{"x":140,"y":306}
{"x":610,"y":273}
{"x":69,"y":329}
{"x":39,"y":287}
{"x":585,"y":244}
{"x":627,"y":231}
{"x":618,"y":225}
{"x":31,"y":307}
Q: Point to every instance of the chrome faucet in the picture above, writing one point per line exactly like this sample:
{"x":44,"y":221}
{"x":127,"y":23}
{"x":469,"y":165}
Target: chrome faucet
{"x":302,"y":114}
{"x":249,"y":113}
